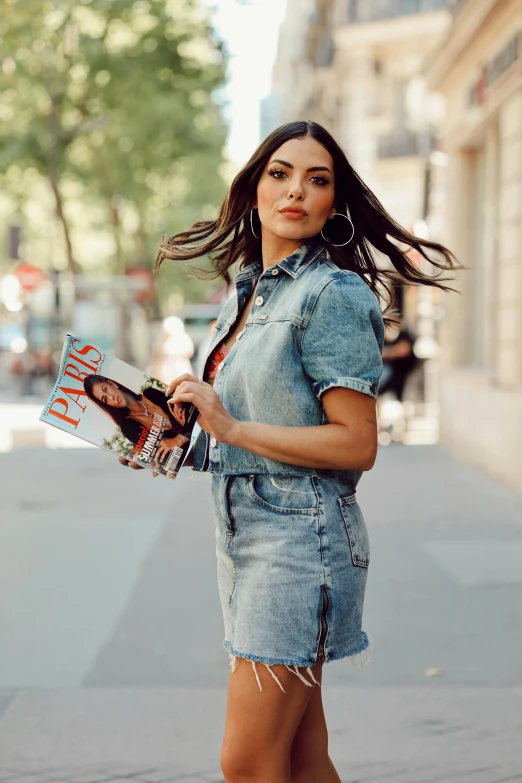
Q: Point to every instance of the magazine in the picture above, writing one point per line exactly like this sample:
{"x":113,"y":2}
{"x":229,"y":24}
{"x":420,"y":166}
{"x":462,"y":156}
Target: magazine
{"x":115,"y":406}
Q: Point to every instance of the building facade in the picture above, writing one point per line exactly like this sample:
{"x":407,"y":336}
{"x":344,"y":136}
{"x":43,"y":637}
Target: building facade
{"x":478,"y":68}
{"x":355,"y":66}
{"x":292,"y":74}
{"x":387,"y":119}
{"x":357,"y":70}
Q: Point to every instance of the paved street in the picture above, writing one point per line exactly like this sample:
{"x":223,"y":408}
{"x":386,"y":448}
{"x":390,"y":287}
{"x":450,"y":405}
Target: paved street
{"x":111,"y":664}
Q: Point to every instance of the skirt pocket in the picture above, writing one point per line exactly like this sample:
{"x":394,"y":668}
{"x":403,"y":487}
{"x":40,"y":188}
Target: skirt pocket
{"x":356,"y":530}
{"x":283,"y":494}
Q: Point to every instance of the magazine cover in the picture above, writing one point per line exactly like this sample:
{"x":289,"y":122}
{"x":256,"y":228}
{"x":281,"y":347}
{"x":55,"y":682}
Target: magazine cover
{"x":105,"y":401}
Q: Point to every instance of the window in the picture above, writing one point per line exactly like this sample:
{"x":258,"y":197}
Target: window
{"x":475,"y":304}
{"x":373,"y":10}
{"x":482,"y":252}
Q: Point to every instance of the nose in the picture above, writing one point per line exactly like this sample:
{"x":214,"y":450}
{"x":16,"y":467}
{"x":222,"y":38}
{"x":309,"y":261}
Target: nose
{"x":296,"y":191}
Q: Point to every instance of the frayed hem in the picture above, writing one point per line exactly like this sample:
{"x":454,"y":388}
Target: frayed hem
{"x":359,"y":657}
{"x":265,"y":659}
{"x":294,"y":669}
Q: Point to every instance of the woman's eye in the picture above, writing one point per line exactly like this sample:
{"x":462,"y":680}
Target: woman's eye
{"x":279,"y":174}
{"x":276,"y":172}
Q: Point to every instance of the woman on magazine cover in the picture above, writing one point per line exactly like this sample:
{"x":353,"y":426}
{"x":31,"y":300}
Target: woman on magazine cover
{"x":288,"y":426}
{"x":131,"y":412}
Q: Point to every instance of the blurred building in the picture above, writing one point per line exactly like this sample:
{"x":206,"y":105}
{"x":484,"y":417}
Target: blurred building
{"x":292,"y":71}
{"x":355,"y":66}
{"x":478,"y":68}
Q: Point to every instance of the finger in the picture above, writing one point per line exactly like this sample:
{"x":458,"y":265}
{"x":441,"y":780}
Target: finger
{"x":180,"y":412}
{"x":191,"y":396}
{"x":135,"y":466}
{"x":154,"y":474}
{"x":199,"y":389}
{"x":123,"y":461}
{"x":184,"y":383}
{"x":195,"y":386}
{"x":177,"y":410}
{"x":176,"y":382}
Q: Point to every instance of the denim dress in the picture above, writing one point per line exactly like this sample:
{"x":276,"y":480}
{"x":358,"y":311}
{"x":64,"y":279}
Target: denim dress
{"x":291,"y":541}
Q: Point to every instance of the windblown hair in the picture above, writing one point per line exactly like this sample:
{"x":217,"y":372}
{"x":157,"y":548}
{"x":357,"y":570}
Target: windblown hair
{"x":118,"y":415}
{"x":230,"y":239}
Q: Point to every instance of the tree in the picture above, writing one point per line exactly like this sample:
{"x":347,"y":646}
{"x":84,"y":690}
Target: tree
{"x":119,"y":97}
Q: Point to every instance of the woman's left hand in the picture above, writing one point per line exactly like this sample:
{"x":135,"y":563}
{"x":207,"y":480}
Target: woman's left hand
{"x":213,"y":417}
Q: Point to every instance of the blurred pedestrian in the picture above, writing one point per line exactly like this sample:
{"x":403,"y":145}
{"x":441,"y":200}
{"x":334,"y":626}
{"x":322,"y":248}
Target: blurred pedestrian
{"x":172,"y":351}
{"x":398,"y":358}
{"x":288,"y":425}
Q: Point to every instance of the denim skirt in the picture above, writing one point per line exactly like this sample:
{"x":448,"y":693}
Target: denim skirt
{"x":292,"y":561}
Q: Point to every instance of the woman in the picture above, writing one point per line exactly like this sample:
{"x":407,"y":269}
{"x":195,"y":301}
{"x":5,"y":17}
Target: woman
{"x":133,"y":412}
{"x":288,"y":427}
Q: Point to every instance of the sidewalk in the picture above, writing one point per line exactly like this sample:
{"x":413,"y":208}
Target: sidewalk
{"x":20,"y":427}
{"x":397,"y":735}
{"x":107,"y":578}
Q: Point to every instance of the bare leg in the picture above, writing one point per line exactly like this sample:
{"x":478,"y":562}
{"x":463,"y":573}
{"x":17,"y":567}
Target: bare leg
{"x":261,"y":725}
{"x":309,"y":759}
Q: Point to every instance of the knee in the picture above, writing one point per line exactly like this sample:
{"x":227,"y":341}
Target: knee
{"x":237,"y":767}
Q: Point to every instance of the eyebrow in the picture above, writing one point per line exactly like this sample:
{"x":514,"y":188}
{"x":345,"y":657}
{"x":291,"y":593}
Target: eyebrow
{"x":312,"y":168}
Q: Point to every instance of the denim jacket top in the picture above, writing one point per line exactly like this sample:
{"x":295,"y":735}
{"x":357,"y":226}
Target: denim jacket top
{"x":312,"y":326}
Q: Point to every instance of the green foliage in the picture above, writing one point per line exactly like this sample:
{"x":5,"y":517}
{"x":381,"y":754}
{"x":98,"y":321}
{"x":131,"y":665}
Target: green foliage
{"x":119,"y":444}
{"x":154,"y":384}
{"x":119,"y":100}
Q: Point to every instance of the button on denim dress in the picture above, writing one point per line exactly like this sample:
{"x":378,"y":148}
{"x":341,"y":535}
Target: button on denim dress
{"x":291,"y":541}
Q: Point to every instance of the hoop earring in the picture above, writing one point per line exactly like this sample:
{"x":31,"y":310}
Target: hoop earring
{"x":340,"y":214}
{"x":252,"y":225}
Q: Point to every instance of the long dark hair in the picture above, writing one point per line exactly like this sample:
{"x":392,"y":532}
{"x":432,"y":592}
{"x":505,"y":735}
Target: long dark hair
{"x":118,"y":415}
{"x":230,"y":238}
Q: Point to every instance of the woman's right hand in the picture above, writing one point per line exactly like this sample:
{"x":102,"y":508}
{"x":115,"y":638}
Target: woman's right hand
{"x":134,"y":465}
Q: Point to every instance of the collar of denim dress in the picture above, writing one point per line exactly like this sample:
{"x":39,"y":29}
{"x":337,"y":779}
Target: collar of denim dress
{"x":293,"y":264}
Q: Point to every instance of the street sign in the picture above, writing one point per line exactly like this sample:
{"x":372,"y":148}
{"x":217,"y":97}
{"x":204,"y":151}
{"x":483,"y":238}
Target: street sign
{"x":30,"y":276}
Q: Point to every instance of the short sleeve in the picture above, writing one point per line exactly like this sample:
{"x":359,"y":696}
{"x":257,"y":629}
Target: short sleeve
{"x":342,"y":342}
